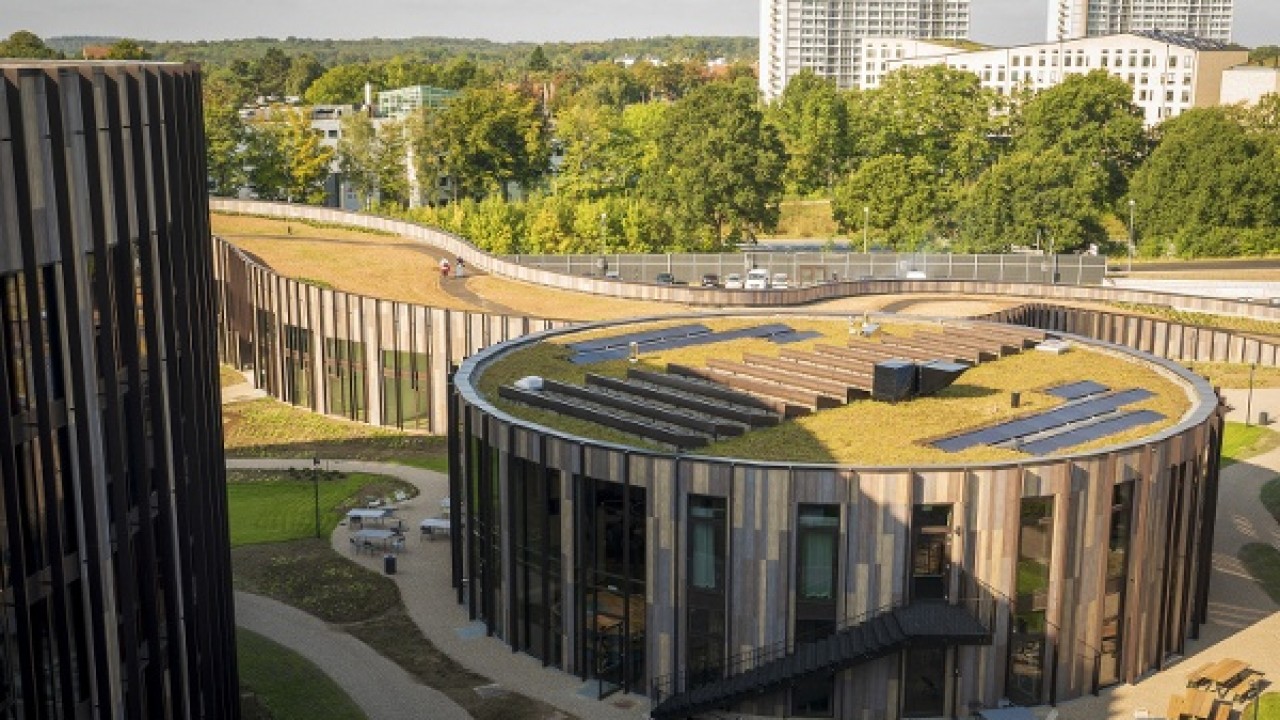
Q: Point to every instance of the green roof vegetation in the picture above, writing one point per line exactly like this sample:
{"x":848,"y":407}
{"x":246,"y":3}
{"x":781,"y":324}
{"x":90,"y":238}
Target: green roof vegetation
{"x":864,"y":432}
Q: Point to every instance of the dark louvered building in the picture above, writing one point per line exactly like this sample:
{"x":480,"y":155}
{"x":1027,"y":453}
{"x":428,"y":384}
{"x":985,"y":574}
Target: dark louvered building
{"x":113,"y":525}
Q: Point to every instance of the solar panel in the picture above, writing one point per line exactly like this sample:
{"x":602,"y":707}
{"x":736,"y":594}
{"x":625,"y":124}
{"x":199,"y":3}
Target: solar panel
{"x":1092,"y":431}
{"x":1075,"y":391}
{"x":612,"y":352}
{"x":1057,"y":417}
{"x":790,"y":337}
{"x":625,"y":340}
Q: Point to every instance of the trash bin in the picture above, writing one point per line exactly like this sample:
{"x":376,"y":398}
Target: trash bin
{"x":389,"y":564}
{"x":1015,"y":399}
{"x":1263,"y":418}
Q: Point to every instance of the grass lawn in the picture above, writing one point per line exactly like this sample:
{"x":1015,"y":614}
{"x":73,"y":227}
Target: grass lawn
{"x":1268,"y":708}
{"x":806,"y":219}
{"x":1226,"y":322}
{"x":309,"y":575}
{"x":286,"y":686}
{"x":1241,"y":442}
{"x":1262,"y":562}
{"x":273,"y":506}
{"x":854,"y":433}
{"x":270,"y":428}
{"x":1236,"y":375}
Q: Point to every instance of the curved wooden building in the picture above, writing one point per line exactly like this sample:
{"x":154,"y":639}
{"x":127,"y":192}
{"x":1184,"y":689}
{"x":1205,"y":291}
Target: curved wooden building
{"x":113,"y":523}
{"x":821,"y":590}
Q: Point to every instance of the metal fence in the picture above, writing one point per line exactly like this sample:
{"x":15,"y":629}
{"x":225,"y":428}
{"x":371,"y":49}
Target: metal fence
{"x":811,"y":268}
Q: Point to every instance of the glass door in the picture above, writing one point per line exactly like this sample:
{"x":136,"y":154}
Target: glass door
{"x":930,"y":552}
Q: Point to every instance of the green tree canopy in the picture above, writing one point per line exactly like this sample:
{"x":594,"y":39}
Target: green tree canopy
{"x":485,"y":138}
{"x":718,"y":165}
{"x":343,"y":85}
{"x":27,"y":45}
{"x":1046,"y":198}
{"x":937,"y":113}
{"x":287,"y":159}
{"x":538,"y":61}
{"x":903,"y":197}
{"x":125,"y":49}
{"x":1091,"y":117}
{"x":813,"y":122}
{"x":1207,"y":171}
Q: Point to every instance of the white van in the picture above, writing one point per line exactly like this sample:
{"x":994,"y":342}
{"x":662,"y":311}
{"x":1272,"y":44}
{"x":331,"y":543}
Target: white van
{"x":757,"y":279}
{"x":733,"y":281}
{"x":779,"y":281}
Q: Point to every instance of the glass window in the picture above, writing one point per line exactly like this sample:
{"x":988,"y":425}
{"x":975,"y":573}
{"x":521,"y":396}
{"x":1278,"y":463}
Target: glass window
{"x":819,"y":526}
{"x":1031,"y":601}
{"x":1109,"y":671}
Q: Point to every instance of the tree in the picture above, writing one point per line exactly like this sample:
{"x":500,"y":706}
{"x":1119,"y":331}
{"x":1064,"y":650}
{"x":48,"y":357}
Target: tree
{"x":813,"y":122}
{"x":342,"y":85}
{"x":27,"y":45}
{"x":486,"y":137}
{"x":225,"y":140}
{"x":903,"y":196}
{"x":287,"y":158}
{"x":125,"y":49}
{"x":538,"y":62}
{"x":601,"y":156}
{"x":1207,"y":171}
{"x":372,"y":158}
{"x":273,"y":72}
{"x":303,"y":70}
{"x":1091,"y":117}
{"x":938,"y":113}
{"x":718,"y":166}
{"x":1029,"y":199}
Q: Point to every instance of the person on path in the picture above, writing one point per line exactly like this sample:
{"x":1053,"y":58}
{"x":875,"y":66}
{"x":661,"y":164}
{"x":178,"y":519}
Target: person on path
{"x":457,"y":267}
{"x":444,"y":268}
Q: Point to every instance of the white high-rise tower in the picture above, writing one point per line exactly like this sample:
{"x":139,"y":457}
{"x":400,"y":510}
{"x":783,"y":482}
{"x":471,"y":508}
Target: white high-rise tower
{"x":825,"y":36}
{"x":1209,"y":19}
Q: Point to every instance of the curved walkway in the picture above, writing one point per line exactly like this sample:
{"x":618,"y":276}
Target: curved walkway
{"x":381,"y":688}
{"x":424,"y":577}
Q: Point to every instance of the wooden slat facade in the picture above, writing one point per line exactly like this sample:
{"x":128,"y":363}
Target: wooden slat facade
{"x":1175,"y":484}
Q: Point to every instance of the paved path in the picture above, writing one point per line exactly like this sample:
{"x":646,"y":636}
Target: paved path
{"x":423,"y":574}
{"x":380,"y":687}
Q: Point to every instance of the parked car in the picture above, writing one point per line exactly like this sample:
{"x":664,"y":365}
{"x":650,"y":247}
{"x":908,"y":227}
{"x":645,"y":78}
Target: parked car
{"x":779,"y":281}
{"x":710,"y":280}
{"x":612,"y":275}
{"x":733,"y":281}
{"x":757,"y":279}
{"x":665,"y":278}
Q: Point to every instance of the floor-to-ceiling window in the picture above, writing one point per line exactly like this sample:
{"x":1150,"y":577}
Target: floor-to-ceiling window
{"x":1027,"y":635}
{"x":705,"y":588}
{"x":930,"y":552}
{"x":924,"y":681}
{"x":1112,"y":636}
{"x":538,"y":602}
{"x":817,"y":577}
{"x":611,"y":520}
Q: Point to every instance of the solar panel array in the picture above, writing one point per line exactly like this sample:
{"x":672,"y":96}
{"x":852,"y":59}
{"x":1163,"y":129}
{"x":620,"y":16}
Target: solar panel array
{"x":1071,"y":413}
{"x":776,"y":332}
{"x":1090,"y":432}
{"x":1077,"y":390}
{"x":647,"y":336}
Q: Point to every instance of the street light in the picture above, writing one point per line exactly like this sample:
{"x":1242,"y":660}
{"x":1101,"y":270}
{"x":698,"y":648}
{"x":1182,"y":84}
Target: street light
{"x":315,"y":483}
{"x":866,"y":219}
{"x":1131,"y":248}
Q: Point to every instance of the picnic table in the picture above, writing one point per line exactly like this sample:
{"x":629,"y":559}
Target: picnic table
{"x":367,"y":538}
{"x":431,"y":526}
{"x":1194,"y":703}
{"x":359,"y":515}
{"x":1222,"y":676}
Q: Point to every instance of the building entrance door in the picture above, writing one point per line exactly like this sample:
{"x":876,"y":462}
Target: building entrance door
{"x":930,"y":552}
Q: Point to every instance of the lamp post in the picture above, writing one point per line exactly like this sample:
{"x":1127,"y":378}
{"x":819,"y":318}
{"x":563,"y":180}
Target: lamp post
{"x":1248,"y":403}
{"x":315,"y":484}
{"x":866,"y":219}
{"x":1131,"y":248}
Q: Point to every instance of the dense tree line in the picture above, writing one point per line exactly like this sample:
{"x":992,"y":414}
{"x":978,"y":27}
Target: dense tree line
{"x":676,"y":156}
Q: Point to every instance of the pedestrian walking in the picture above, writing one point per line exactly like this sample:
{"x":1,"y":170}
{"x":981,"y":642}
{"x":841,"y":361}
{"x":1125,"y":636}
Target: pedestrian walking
{"x":457,"y":267}
{"x":444,"y":268}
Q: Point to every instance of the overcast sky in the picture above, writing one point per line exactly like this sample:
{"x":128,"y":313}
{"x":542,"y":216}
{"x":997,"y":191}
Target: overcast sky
{"x":1007,"y":22}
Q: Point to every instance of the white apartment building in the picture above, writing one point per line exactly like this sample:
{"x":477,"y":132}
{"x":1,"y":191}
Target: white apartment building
{"x":1070,"y":19}
{"x":1168,"y":73}
{"x":825,"y":36}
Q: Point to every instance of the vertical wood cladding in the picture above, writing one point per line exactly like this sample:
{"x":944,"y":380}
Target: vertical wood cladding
{"x":116,"y":555}
{"x":1170,"y":480}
